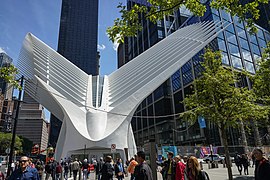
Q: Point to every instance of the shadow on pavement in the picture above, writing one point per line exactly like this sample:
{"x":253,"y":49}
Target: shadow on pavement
{"x":238,"y":177}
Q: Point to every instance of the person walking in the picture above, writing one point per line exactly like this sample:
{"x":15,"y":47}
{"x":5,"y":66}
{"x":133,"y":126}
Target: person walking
{"x":262,"y":166}
{"x":245,"y":163}
{"x":107,"y":169}
{"x":66,"y":169}
{"x":237,"y":161}
{"x":2,"y":176}
{"x":119,"y":169}
{"x":142,"y":170}
{"x":99,"y":167}
{"x":131,"y":167}
{"x":193,"y":170}
{"x":85,"y":169}
{"x":24,"y":172}
{"x":180,"y":168}
{"x":58,"y":171}
{"x":169,"y":167}
{"x":75,"y":166}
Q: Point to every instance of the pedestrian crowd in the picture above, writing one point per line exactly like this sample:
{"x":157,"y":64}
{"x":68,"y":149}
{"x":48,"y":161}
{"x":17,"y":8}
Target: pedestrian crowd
{"x":173,"y":168}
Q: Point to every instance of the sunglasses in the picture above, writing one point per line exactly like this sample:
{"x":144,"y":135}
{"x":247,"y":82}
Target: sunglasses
{"x":23,"y":161}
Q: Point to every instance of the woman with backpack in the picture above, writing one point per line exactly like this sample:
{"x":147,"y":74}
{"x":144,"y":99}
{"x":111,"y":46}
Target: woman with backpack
{"x":193,"y":170}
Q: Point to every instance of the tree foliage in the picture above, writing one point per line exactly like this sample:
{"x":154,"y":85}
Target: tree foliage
{"x":218,"y":99}
{"x":5,"y":140}
{"x":8,"y":73}
{"x":262,"y":78}
{"x":129,"y":23}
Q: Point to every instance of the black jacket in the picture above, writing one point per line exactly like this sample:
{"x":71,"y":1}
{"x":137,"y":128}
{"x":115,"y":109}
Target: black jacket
{"x":107,"y":171}
{"x":262,"y":170}
{"x":166,"y":168}
{"x":143,"y":172}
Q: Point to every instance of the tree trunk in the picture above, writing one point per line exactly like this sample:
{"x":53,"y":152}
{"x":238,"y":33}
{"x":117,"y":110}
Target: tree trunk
{"x":226,"y":149}
{"x":257,"y":138}
{"x":243,"y":135}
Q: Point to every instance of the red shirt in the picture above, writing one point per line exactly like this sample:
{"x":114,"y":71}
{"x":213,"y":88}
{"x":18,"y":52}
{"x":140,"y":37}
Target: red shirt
{"x":180,"y":170}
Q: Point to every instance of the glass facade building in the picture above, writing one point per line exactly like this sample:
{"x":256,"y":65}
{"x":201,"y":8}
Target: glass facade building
{"x":158,"y":115}
{"x":78,"y":34}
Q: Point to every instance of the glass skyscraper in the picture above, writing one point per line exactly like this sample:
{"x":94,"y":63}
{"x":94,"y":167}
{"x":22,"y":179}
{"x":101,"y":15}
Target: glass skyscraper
{"x":78,"y":43}
{"x":158,"y":115}
{"x":78,"y":34}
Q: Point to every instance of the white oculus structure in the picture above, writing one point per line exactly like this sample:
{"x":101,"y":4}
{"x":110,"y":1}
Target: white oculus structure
{"x":96,"y":111}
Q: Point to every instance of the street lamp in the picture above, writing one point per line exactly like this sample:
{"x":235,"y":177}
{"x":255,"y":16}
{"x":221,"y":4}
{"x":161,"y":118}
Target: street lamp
{"x":14,"y":128}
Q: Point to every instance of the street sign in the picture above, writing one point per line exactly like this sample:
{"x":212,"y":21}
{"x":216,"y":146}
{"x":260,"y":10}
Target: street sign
{"x":113,"y":148}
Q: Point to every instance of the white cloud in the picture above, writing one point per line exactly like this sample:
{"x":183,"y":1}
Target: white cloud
{"x":101,"y":47}
{"x":2,"y":50}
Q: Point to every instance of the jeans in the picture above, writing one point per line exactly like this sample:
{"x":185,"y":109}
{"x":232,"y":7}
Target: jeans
{"x":85,"y":174}
{"x":75,"y":172}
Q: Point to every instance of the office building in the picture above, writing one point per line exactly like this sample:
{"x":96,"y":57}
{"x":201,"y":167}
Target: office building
{"x":31,"y":122}
{"x":158,"y":115}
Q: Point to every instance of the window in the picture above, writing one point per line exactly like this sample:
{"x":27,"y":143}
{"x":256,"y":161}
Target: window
{"x":220,"y":35}
{"x":234,"y":50}
{"x":260,"y":33}
{"x":236,"y":62}
{"x":241,"y":32}
{"x":187,"y":73}
{"x":231,"y":38}
{"x":253,"y":39}
{"x":160,"y":34}
{"x":246,"y":55}
{"x":249,"y":67}
{"x":225,"y":15}
{"x":255,"y":49}
{"x":244,"y":44}
{"x":237,"y":22}
{"x":216,"y":18}
{"x":222,"y":45}
{"x":225,"y":59}
{"x":262,"y":43}
{"x":176,"y":82}
{"x":230,"y":28}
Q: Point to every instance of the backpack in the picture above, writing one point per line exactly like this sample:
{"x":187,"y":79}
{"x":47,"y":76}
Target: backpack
{"x":205,"y":175}
{"x":58,"y":169}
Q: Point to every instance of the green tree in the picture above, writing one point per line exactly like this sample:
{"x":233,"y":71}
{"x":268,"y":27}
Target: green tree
{"x":261,"y":81}
{"x":5,"y":140}
{"x":129,"y":23}
{"x":218,"y":100}
{"x":26,"y":145}
{"x":8,"y":73}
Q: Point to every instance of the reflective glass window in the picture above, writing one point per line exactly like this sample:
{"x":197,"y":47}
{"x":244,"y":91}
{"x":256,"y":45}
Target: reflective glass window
{"x":260,"y":33}
{"x":236,"y":62}
{"x":225,"y":15}
{"x":241,"y":32}
{"x":230,"y":28}
{"x":237,"y":22}
{"x":244,"y":43}
{"x":187,"y":73}
{"x":214,"y":11}
{"x":225,"y":58}
{"x":220,"y":35}
{"x":176,"y":82}
{"x":246,"y":55}
{"x":216,"y":18}
{"x":262,"y":43}
{"x":256,"y":57}
{"x":234,"y":50}
{"x":231,"y":37}
{"x":255,"y":49}
{"x":222,"y":45}
{"x":249,"y":67}
{"x":253,"y":38}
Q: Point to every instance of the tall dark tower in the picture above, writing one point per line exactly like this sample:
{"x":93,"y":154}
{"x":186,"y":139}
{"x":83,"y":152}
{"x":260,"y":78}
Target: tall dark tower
{"x":78,"y":43}
{"x":78,"y":34}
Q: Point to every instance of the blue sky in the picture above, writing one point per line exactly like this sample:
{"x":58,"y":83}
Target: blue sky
{"x":17,"y":17}
{"x":42,"y":17}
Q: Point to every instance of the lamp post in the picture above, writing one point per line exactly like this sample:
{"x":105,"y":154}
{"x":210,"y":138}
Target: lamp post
{"x":14,"y":128}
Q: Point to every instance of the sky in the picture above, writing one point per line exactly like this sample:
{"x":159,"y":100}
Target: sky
{"x":42,"y":18}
